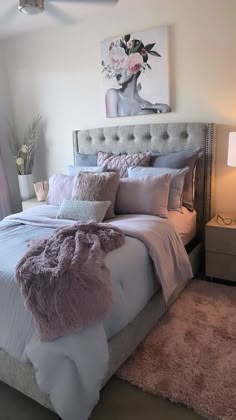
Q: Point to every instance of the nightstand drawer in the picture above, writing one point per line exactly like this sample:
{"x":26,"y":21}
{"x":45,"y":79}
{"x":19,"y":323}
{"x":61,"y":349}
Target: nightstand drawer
{"x":221,"y":266}
{"x":221,"y":239}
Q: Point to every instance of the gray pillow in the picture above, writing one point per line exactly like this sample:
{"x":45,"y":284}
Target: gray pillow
{"x":83,"y":210}
{"x":72,"y":170}
{"x":146,"y":195}
{"x":97,"y":187}
{"x":82,"y":159}
{"x":178,"y":160}
{"x":176,"y":182}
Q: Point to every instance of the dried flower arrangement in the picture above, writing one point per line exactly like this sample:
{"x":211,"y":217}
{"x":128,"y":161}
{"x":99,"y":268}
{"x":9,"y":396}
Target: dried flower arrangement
{"x":23,"y":151}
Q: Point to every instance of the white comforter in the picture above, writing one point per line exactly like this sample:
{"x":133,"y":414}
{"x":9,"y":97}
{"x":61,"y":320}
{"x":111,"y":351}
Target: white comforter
{"x":70,"y":369}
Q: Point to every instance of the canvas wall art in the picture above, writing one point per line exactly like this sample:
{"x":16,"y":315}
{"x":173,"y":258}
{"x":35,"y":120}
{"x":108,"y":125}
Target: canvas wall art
{"x":135,"y":69}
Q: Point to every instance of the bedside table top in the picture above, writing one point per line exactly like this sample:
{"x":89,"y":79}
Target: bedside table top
{"x":33,"y":200}
{"x":214,"y":222}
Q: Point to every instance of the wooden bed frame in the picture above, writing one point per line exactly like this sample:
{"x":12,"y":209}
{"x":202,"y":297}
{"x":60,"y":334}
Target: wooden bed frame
{"x":131,"y":139}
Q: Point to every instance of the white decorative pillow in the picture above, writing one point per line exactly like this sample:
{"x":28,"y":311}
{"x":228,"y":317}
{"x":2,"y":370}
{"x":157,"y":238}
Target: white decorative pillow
{"x":121,"y":163}
{"x":83,"y":210}
{"x":73,"y":170}
{"x":146,"y":195}
{"x":175,"y":199}
{"x":60,"y":188}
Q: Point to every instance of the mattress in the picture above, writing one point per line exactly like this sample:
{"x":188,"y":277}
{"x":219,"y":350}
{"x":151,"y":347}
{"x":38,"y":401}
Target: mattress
{"x":184,"y":223}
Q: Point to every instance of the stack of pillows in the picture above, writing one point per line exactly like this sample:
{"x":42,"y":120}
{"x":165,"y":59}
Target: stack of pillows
{"x":100,"y":186}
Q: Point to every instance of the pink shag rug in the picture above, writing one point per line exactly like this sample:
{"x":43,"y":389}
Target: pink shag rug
{"x":190,"y":356}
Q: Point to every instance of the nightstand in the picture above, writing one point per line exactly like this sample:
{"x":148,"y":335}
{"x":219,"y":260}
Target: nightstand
{"x":32,"y":202}
{"x":220,"y":243}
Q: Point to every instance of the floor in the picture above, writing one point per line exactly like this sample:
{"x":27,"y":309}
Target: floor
{"x":119,"y":401}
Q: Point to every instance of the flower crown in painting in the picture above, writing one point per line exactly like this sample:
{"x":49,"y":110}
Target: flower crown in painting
{"x":128,"y":53}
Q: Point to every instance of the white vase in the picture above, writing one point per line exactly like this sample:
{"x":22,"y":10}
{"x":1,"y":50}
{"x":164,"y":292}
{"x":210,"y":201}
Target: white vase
{"x":26,"y":186}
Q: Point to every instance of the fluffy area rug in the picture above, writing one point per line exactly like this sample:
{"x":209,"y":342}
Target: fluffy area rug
{"x":190,"y":355}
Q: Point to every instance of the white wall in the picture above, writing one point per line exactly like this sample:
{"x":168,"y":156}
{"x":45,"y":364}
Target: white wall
{"x":57,"y":72}
{"x":5,"y":117}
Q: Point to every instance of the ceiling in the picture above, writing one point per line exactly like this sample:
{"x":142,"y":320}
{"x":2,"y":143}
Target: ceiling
{"x":18,"y":22}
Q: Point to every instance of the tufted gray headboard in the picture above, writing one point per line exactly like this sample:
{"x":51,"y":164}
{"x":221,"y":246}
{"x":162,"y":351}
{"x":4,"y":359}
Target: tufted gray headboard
{"x":163,"y":138}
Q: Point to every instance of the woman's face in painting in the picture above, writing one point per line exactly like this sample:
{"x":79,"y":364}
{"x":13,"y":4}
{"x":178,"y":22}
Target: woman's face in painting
{"x":124,"y":76}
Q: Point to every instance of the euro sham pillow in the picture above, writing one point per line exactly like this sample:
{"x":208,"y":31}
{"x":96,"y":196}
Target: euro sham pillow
{"x":146,"y":195}
{"x":178,"y":160}
{"x":97,"y":187}
{"x":175,"y":199}
{"x":60,"y":188}
{"x":83,"y":159}
{"x":73,"y":170}
{"x":121,"y":163}
{"x":83,"y":210}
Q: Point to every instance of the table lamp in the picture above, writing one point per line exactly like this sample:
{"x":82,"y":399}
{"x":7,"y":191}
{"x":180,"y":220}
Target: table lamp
{"x":232,"y":149}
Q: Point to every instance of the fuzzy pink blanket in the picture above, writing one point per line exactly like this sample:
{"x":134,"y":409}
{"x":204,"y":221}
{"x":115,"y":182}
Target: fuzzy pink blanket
{"x":63,"y":278}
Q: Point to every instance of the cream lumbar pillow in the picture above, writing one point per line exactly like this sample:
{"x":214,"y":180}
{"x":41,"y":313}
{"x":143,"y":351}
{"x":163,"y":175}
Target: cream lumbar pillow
{"x":97,"y":187}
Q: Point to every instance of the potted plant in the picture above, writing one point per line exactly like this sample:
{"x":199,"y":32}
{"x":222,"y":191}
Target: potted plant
{"x":23,"y":153}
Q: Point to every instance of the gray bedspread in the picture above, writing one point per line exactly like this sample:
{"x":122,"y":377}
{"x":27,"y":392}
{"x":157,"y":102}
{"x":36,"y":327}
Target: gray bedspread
{"x":74,"y":357}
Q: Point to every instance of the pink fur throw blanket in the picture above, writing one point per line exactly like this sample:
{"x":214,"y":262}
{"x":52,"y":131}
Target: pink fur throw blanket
{"x":63,"y":278}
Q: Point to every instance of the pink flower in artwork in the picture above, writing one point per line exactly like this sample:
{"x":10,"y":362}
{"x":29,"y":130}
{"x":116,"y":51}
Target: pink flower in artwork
{"x":116,"y":57}
{"x":127,"y":53}
{"x":143,"y":52}
{"x":134,"y":62}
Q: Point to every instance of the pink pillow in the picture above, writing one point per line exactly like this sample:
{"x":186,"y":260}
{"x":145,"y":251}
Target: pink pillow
{"x":146,"y":195}
{"x":120,"y":163}
{"x":97,"y":187}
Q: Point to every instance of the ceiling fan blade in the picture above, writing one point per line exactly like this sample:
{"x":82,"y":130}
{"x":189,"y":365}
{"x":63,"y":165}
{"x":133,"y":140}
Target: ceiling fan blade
{"x":57,"y":13}
{"x":10,"y":13}
{"x":111,"y":2}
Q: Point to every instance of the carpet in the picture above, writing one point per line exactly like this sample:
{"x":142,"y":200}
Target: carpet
{"x":190,"y":355}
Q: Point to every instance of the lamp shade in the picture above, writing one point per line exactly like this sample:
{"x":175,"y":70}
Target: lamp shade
{"x":232,"y":149}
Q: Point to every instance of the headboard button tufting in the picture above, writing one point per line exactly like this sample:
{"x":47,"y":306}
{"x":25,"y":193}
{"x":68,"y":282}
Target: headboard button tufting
{"x":184,"y":135}
{"x":165,"y":136}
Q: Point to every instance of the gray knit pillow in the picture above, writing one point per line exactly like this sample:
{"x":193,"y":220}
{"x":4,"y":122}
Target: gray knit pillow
{"x":97,"y":187}
{"x":83,"y":210}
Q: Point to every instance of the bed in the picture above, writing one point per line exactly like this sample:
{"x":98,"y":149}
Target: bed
{"x":131,"y":139}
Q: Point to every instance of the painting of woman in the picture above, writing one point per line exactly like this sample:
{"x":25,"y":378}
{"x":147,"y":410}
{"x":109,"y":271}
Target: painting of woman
{"x":126,"y":60}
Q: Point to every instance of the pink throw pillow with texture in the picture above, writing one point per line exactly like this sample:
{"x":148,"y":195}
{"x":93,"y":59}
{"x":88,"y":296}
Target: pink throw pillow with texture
{"x":97,"y":187}
{"x":121,"y":163}
{"x":146,"y":195}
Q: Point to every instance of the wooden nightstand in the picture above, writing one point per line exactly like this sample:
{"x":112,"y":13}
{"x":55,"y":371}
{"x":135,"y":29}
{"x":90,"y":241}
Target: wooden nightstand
{"x":221,"y":250}
{"x":32,"y":202}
